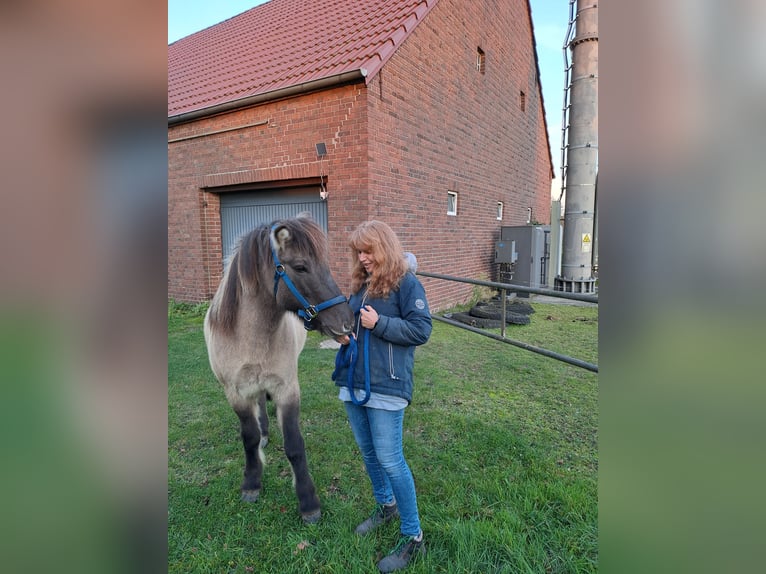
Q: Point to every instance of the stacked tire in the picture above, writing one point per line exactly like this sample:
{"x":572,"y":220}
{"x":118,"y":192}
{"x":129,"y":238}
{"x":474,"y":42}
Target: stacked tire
{"x":488,"y":314}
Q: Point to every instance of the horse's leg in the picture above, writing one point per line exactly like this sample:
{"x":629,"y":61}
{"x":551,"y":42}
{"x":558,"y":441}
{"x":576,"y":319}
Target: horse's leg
{"x":308,"y":503}
{"x":263,"y":419}
{"x":251,"y":439}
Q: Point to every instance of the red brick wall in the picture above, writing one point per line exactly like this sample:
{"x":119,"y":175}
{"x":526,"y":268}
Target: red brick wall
{"x":428,"y":123}
{"x":437,"y":124}
{"x":283,"y":149}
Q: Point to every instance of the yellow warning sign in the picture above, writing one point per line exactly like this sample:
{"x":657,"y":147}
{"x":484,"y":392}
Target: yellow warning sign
{"x":586,"y":242}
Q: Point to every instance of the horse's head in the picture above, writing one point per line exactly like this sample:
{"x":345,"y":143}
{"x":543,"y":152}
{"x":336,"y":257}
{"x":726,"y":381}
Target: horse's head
{"x":303,"y":282}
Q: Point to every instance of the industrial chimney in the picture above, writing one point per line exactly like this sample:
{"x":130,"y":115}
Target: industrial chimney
{"x":579,"y":165}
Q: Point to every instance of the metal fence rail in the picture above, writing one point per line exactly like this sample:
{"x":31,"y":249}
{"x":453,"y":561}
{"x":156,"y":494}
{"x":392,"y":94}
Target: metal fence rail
{"x":508,"y":287}
{"x":503,"y":287}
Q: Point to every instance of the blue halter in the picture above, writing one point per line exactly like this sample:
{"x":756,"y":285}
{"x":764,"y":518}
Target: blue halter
{"x":309,"y":312}
{"x":350,"y":356}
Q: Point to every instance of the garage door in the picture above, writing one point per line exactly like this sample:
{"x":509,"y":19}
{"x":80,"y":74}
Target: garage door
{"x":241,"y":212}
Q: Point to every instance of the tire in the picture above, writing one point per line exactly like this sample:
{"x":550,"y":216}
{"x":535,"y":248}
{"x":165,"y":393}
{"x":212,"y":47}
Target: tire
{"x":484,"y":312}
{"x":514,"y":306}
{"x":516,"y":319}
{"x":479,"y":322}
{"x":487,"y":312}
{"x":520,"y":307}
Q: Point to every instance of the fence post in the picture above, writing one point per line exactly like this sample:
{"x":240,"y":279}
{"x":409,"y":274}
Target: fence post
{"x":502,"y":315}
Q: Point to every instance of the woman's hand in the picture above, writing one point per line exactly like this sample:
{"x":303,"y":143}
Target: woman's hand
{"x":369,"y":317}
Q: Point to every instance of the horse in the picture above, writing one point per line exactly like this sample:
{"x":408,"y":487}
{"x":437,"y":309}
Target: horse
{"x":254,"y":335}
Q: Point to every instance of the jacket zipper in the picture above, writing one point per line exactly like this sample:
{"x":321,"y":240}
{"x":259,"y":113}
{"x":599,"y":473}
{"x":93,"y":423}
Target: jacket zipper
{"x":359,"y":318}
{"x":391,"y":362}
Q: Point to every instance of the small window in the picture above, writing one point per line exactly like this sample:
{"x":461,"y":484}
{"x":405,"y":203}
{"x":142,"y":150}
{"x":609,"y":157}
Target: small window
{"x":451,"y":203}
{"x":523,"y":101}
{"x":499,"y":210}
{"x":480,"y":60}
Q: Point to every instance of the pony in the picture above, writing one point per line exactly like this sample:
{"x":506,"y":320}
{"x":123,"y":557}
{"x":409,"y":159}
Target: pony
{"x":253,"y":334}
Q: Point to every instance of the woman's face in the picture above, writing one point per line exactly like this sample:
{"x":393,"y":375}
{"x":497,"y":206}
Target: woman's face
{"x":367,"y":260}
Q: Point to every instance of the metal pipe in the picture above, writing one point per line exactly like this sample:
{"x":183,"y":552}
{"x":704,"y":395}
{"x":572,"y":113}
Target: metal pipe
{"x":520,"y":344}
{"x":566,"y":106}
{"x":191,"y":137}
{"x":555,"y":244}
{"x":594,"y":255}
{"x":313,"y":85}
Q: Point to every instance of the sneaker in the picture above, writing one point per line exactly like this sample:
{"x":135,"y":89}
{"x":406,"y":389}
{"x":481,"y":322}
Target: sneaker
{"x":380,"y":515}
{"x":403,"y":552}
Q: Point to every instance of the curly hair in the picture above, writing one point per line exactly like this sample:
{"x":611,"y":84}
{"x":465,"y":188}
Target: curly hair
{"x":380,"y":240}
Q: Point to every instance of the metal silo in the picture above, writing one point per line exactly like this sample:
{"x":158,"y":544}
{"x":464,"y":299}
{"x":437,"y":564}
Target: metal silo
{"x":579,"y":164}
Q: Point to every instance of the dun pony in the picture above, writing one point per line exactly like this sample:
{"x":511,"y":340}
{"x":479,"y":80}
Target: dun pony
{"x":254,"y":336}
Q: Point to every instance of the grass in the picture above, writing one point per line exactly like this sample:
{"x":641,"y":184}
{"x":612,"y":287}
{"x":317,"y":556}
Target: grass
{"x":502,"y":443}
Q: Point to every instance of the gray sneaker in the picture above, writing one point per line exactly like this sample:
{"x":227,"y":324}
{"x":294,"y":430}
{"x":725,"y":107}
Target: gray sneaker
{"x":403,"y":552}
{"x":380,"y":515}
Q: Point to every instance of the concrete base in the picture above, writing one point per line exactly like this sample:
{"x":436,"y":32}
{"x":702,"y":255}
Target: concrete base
{"x":575,"y":285}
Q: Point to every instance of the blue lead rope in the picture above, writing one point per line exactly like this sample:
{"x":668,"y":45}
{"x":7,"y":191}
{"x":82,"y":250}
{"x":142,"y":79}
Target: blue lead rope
{"x":352,"y":355}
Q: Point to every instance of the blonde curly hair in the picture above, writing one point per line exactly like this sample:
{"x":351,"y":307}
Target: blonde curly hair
{"x":380,"y":240}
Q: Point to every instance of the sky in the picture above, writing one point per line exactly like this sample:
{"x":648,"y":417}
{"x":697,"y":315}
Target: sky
{"x":549,"y":17}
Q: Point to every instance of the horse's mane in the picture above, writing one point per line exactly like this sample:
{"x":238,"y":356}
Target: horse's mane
{"x":253,"y":251}
{"x":306,"y":236}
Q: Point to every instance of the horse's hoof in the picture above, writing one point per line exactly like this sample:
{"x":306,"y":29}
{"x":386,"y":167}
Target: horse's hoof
{"x":250,"y":495}
{"x":264,"y":441}
{"x":311,"y":517}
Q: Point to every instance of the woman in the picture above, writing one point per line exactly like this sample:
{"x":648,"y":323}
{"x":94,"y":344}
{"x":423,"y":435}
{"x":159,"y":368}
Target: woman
{"x":392,"y":318}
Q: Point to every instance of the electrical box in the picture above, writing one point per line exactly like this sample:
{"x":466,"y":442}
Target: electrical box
{"x":525,"y":249}
{"x":505,"y":252}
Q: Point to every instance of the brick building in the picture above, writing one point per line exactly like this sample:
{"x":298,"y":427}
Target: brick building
{"x":426,"y":114}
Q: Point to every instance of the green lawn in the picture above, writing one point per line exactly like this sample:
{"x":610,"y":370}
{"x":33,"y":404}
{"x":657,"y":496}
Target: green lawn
{"x":502,"y":443}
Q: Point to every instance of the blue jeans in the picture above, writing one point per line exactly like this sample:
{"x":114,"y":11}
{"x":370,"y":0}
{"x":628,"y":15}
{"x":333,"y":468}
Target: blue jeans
{"x":379,"y":436}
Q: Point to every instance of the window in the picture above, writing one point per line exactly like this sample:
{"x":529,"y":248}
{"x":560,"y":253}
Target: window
{"x":522,"y":101}
{"x":499,"y":210}
{"x":480,"y":60}
{"x":451,"y":203}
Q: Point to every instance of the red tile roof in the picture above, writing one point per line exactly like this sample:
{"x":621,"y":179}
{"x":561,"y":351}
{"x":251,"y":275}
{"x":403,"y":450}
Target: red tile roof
{"x":286,"y":43}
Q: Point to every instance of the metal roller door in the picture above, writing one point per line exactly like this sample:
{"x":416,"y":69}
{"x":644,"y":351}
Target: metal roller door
{"x":243,"y":211}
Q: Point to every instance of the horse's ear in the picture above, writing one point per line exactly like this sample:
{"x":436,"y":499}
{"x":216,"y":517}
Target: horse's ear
{"x":279,"y":237}
{"x":306,"y":215}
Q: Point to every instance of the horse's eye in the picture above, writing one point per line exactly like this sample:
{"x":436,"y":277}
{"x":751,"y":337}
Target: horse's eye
{"x":300,"y":268}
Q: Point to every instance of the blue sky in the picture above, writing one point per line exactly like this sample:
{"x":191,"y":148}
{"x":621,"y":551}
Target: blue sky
{"x":549,"y":17}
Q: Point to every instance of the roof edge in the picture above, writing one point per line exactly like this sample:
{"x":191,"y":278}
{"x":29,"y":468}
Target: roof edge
{"x":305,"y":87}
{"x":397,"y":39}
